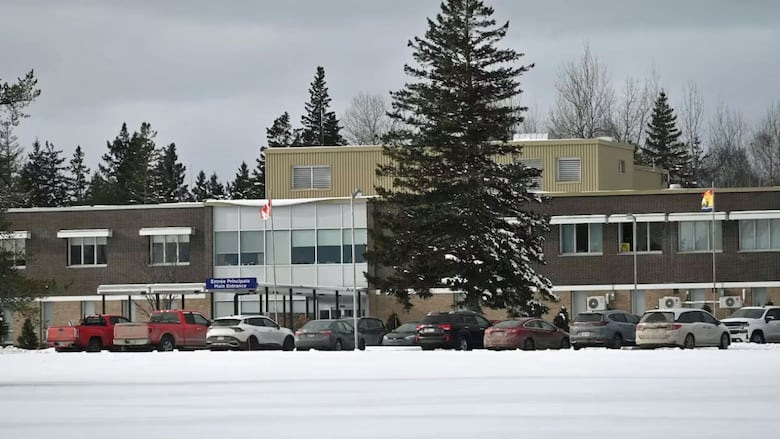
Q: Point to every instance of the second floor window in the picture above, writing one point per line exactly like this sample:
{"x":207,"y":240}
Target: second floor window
{"x":695,"y":236}
{"x":581,"y":238}
{"x":760,"y":234}
{"x":534,"y":164}
{"x":169,"y":249}
{"x":89,"y":250}
{"x":569,"y":169}
{"x":311,"y":177}
{"x":14,"y":248}
{"x":649,"y":237}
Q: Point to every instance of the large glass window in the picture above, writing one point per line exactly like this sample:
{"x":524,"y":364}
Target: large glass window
{"x":169,"y":249}
{"x":649,"y":237}
{"x":252,"y":245}
{"x":761,"y":234}
{"x":303,"y":244}
{"x":87,"y":251}
{"x":328,"y":246}
{"x":581,"y":238}
{"x":697,"y":236}
{"x":225,"y":248}
{"x":280,"y":244}
{"x":14,"y":248}
{"x":361,"y":242}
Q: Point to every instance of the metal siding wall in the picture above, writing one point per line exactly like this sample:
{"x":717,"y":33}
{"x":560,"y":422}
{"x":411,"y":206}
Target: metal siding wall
{"x":550,"y":154}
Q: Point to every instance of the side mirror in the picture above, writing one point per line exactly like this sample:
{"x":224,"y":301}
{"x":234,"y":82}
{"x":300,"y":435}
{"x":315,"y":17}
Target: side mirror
{"x":769,"y":318}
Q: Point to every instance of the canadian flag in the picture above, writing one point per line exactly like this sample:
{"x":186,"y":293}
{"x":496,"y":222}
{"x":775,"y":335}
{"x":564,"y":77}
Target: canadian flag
{"x":265,"y":211}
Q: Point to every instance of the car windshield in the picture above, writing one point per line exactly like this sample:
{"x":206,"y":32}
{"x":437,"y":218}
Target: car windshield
{"x":317,"y":325}
{"x":747,"y":313}
{"x":226,"y":322}
{"x":407,"y":327}
{"x":508,"y":324}
{"x":658,"y":317}
{"x":588,"y":317}
{"x":435,"y":319}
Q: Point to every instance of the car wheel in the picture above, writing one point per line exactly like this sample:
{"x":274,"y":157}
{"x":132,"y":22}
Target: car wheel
{"x":289,"y":344}
{"x":462,"y":344}
{"x":427,"y":348}
{"x":617,"y":342}
{"x":689,"y":342}
{"x":338,"y":345}
{"x":576,"y":347}
{"x":362,"y":345}
{"x":725,"y":339}
{"x":251,"y":343}
{"x":529,"y":345}
{"x":565,"y":344}
{"x":757,"y":337}
{"x":94,"y":345}
{"x":167,"y":344}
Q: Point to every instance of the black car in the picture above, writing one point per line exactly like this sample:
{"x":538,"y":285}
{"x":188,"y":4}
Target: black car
{"x":404,"y":335}
{"x":461,"y":330}
{"x":370,"y":331}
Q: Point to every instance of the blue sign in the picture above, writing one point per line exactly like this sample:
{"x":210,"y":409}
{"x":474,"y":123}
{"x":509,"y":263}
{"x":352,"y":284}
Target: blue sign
{"x":231,"y":283}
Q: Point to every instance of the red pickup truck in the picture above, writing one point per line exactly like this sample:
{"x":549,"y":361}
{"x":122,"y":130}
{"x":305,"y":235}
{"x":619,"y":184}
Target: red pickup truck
{"x":94,"y":333}
{"x":165,"y":331}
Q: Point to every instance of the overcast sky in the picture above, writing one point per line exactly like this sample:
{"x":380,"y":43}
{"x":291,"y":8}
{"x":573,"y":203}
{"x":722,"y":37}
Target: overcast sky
{"x":212,"y":75}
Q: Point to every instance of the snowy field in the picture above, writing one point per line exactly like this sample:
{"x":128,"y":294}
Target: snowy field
{"x":396,"y":394}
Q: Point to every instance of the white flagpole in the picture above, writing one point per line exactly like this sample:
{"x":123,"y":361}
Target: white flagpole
{"x":273,"y":255}
{"x":714,"y":287}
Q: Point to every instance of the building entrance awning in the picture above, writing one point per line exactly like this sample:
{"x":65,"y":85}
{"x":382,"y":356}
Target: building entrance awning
{"x":156,"y":288}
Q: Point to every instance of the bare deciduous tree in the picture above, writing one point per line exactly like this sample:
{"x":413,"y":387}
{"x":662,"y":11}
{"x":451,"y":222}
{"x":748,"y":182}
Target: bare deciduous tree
{"x":633,"y":110}
{"x":365,"y":120}
{"x":729,"y":160}
{"x":585,"y":100}
{"x":691,"y":120}
{"x":765,"y":148}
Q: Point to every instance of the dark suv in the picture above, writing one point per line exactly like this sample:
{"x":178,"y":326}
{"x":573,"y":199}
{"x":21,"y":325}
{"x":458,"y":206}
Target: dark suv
{"x":460,"y":330}
{"x":371,"y":331}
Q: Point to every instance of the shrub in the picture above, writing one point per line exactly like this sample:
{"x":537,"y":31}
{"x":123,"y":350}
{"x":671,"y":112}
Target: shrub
{"x":28,"y":339}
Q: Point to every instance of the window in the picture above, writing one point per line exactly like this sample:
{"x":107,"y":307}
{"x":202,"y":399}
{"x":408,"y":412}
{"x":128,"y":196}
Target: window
{"x":696,"y":236}
{"x":533,"y":164}
{"x":14,"y":247}
{"x":117,"y":319}
{"x":189,"y":318}
{"x":311,"y":177}
{"x":707,"y":318}
{"x":302,"y":247}
{"x":547,"y":326}
{"x":689,"y":317}
{"x":279,"y":242}
{"x":87,"y":251}
{"x":569,"y":169}
{"x":328,"y":246}
{"x":761,"y":234}
{"x":533,"y":324}
{"x":759,"y":296}
{"x":774,"y":313}
{"x":200,"y":320}
{"x":225,"y":248}
{"x":617,"y":318}
{"x":468,"y":318}
{"x":621,"y":167}
{"x":581,"y":238}
{"x":169,"y":249}
{"x":87,"y":308}
{"x":483,"y":322}
{"x":649,"y":237}
{"x":252,"y":245}
{"x":361,"y":239}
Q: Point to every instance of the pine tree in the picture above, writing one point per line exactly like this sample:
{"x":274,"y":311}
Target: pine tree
{"x":11,"y":154}
{"x":78,"y":185}
{"x":28,"y":339}
{"x":201,"y":189}
{"x":281,"y":133}
{"x":43,"y":178}
{"x":128,"y":167}
{"x":320,"y":126}
{"x":258,"y":177}
{"x":215,"y":189}
{"x":169,"y":175}
{"x":456,"y":218}
{"x":241,"y":187}
{"x":662,"y":147}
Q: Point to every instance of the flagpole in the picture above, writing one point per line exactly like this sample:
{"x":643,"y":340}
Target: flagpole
{"x":273,"y":255}
{"x":714,"y":287}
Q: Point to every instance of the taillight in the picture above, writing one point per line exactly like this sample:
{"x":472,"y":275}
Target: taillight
{"x":328,"y":333}
{"x":419,"y":326}
{"x":513,"y":330}
{"x":446,"y":327}
{"x":298,"y":333}
{"x":676,"y":326}
{"x":601,"y":323}
{"x":640,"y":327}
{"x":149,"y":328}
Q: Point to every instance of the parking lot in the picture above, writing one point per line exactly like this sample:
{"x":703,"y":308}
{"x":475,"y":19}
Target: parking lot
{"x":382,"y":393}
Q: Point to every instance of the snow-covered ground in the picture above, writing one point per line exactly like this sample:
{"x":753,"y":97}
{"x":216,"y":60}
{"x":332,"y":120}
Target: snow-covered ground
{"x":395,"y":394}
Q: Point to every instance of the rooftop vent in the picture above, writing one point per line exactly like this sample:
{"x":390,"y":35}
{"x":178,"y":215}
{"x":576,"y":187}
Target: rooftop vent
{"x":675,"y":186}
{"x":530,"y":136}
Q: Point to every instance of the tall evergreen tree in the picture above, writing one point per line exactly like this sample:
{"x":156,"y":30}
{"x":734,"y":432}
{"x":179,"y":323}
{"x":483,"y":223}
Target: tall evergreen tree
{"x":281,"y":133}
{"x":456,"y":218}
{"x":14,"y":97}
{"x":169,"y":177}
{"x":128,"y":167}
{"x":11,"y":155}
{"x":663,"y":148}
{"x":78,"y":183}
{"x":241,"y":187}
{"x":320,"y":126}
{"x":216,"y":189}
{"x":258,"y":177}
{"x":201,"y":190}
{"x":43,"y":178}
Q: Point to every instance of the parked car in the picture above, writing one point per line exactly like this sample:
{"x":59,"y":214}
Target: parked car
{"x":165,"y":331}
{"x":686,"y":328}
{"x":610,"y":328}
{"x":404,"y":335}
{"x":248,"y":332}
{"x":525,"y":333}
{"x":756,"y":324}
{"x":462,"y":330}
{"x":93,"y":333}
{"x":331,"y":335}
{"x":370,"y":331}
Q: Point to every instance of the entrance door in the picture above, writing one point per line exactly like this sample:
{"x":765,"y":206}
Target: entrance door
{"x":638,"y":305}
{"x":579,"y":300}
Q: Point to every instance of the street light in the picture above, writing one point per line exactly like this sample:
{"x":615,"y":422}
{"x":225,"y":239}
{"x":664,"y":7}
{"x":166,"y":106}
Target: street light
{"x":634,"y":248}
{"x":356,"y":193}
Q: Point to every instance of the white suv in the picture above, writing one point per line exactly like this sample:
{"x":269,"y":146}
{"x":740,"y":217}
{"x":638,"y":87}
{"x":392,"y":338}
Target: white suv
{"x":248,"y":332}
{"x":755,"y":323}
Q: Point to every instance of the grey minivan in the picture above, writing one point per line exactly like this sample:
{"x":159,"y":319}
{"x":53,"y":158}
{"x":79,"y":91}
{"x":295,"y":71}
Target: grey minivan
{"x":610,"y":328}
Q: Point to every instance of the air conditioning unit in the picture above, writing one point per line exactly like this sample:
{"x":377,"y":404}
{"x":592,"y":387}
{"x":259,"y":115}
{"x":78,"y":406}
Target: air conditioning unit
{"x":731,"y":302}
{"x":669,"y":302}
{"x":597,"y":303}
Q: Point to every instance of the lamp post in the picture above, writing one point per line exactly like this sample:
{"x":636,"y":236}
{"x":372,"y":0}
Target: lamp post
{"x":634,"y":248}
{"x":356,"y":193}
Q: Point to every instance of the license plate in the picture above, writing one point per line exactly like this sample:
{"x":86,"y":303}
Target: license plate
{"x":585,"y":334}
{"x":428,"y":330}
{"x":221,"y":338}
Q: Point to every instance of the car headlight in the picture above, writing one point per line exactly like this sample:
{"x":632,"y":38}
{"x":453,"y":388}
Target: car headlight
{"x":410,"y":337}
{"x":385,"y":338}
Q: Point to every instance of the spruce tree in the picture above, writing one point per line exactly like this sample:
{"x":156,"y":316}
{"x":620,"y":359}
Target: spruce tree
{"x":281,"y":133}
{"x":43,"y":180}
{"x":258,"y":177}
{"x":456,"y":217}
{"x":169,"y":175}
{"x":28,"y":339}
{"x":128,"y":167}
{"x":78,"y":184}
{"x":11,"y":155}
{"x":201,"y":189}
{"x":320,"y":126}
{"x":215,"y":189}
{"x":241,"y":187}
{"x":663,"y":148}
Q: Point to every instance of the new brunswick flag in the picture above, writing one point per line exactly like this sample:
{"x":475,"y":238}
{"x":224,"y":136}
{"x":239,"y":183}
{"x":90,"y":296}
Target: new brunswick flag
{"x":708,"y":200}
